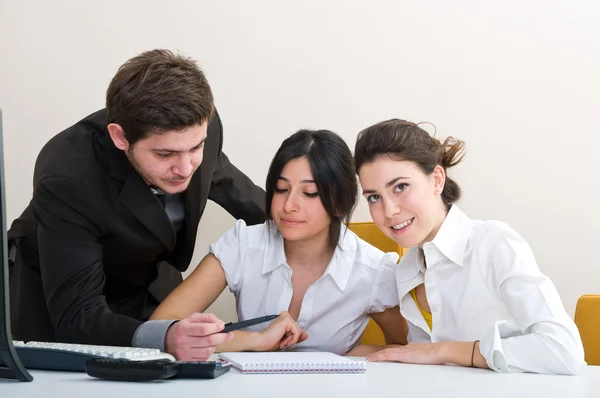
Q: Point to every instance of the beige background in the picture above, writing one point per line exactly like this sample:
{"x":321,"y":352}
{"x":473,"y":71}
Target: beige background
{"x":518,"y":80}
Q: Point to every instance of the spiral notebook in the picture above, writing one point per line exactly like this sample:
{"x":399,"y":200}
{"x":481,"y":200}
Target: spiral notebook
{"x":292,"y":362}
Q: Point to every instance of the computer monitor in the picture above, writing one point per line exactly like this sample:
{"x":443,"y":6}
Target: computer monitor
{"x":10,"y":364}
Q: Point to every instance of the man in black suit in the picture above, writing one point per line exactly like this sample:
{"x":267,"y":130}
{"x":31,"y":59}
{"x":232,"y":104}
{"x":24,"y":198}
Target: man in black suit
{"x":116,"y":205}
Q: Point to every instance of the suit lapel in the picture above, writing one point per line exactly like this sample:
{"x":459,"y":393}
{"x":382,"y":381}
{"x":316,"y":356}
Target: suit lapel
{"x":136,"y":196}
{"x":192,"y":202}
{"x":140,"y":201}
{"x":192,"y":198}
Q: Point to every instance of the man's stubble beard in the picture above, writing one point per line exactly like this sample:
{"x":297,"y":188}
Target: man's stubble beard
{"x":138,"y":169}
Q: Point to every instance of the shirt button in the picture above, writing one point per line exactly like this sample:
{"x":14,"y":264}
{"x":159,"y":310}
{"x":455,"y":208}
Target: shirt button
{"x":301,"y":324}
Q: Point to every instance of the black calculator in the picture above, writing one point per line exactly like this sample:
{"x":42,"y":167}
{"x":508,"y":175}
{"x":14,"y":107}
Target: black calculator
{"x":127,"y":370}
{"x":201,"y":370}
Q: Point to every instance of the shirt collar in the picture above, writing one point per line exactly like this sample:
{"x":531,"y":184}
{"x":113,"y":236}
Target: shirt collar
{"x":275,"y":253}
{"x":420,"y":260}
{"x":339,"y":267}
{"x":451,"y":240}
{"x":341,"y":263}
{"x":157,"y":191}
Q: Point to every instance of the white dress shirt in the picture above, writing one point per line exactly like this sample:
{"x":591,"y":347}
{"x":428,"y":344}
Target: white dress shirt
{"x":335,"y":310}
{"x":483,"y":283}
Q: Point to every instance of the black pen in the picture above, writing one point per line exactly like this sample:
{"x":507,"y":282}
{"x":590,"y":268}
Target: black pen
{"x":244,"y":324}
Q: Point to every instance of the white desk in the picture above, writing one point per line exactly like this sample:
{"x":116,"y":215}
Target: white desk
{"x":381,"y":380}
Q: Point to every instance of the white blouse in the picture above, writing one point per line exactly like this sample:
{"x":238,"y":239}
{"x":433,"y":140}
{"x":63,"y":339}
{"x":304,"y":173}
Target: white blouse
{"x":483,"y":283}
{"x":335,"y":310}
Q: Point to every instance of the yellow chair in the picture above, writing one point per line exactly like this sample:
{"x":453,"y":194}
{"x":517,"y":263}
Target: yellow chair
{"x":587,"y":319}
{"x":369,"y":232}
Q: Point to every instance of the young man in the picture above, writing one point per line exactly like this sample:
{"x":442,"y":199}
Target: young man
{"x":116,"y":205}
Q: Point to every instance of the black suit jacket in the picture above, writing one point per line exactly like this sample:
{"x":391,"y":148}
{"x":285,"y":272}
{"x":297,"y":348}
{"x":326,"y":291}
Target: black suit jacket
{"x":92,"y":238}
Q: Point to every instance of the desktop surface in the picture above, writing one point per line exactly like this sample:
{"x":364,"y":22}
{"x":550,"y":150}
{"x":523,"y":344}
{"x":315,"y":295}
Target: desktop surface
{"x":380,"y":381}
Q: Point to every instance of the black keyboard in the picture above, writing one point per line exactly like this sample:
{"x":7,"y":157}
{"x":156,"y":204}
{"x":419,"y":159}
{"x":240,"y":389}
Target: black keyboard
{"x":72,"y":357}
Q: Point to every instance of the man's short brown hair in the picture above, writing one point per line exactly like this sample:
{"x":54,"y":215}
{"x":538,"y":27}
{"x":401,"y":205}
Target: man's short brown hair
{"x":158,"y":91}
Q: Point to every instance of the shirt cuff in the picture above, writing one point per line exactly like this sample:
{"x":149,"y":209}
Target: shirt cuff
{"x":151,"y":334}
{"x":491,"y":348}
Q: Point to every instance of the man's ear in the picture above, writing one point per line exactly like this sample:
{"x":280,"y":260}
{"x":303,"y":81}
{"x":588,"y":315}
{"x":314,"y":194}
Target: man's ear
{"x":118,"y":136}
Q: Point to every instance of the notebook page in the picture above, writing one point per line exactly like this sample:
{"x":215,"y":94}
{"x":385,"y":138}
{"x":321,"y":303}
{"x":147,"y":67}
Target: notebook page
{"x":292,"y":362}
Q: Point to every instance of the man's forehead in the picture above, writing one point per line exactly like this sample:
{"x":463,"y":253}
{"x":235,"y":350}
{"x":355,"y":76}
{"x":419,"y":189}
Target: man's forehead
{"x":176,"y":140}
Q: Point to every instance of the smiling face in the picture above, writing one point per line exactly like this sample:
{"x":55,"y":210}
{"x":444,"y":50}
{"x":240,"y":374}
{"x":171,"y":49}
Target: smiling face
{"x":405,"y":203}
{"x":296,"y":207}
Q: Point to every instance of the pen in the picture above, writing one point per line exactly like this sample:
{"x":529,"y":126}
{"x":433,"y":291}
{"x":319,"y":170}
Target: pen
{"x":244,"y":324}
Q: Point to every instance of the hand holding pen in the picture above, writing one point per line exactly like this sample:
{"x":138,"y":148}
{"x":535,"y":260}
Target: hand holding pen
{"x":231,"y":326}
{"x":280,"y":334}
{"x":196,"y":337}
{"x":283,"y":332}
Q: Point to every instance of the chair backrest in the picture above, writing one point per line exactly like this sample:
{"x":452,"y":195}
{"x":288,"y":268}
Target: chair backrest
{"x":587,"y":319}
{"x":369,"y":232}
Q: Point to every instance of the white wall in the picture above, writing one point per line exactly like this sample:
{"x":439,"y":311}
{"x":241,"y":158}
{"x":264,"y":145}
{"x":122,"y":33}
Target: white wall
{"x":518,"y":80}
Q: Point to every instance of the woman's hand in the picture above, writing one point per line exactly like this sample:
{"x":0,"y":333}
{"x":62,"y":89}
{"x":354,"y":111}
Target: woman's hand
{"x":282,"y":332}
{"x":463,"y":353}
{"x":418,"y":353}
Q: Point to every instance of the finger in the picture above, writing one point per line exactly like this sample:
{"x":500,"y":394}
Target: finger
{"x":286,"y":342}
{"x":303,"y":337}
{"x":198,"y":317}
{"x":296,"y":332}
{"x":187,"y":354}
{"x":382,"y":355}
{"x":200,"y":354}
{"x":210,"y":340}
{"x":196,"y":329}
{"x":291,"y":335}
{"x":389,"y":354}
{"x":284,"y":339}
{"x":289,"y":342}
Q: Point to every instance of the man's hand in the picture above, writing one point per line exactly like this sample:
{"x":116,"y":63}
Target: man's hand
{"x":282,"y":332}
{"x":194,"y":338}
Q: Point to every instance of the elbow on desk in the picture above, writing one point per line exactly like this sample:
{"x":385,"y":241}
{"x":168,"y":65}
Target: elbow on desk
{"x":67,"y":332}
{"x":572,"y":365}
{"x":570,"y":358}
{"x":95,"y":330}
{"x":67,"y":328}
{"x":574,"y":361}
{"x":559,"y":354}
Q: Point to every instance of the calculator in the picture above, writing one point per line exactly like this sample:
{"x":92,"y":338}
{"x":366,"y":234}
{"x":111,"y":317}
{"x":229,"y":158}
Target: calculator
{"x":126,"y":370}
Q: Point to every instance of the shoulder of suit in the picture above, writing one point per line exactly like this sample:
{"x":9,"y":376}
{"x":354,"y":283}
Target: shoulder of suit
{"x":74,"y":152}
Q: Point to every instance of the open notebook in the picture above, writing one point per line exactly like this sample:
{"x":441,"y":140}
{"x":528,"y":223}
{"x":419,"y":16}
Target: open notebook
{"x":292,"y":362}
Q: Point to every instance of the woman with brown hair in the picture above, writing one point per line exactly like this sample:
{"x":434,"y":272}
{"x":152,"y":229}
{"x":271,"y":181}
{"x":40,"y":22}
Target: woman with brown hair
{"x":470,"y":290}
